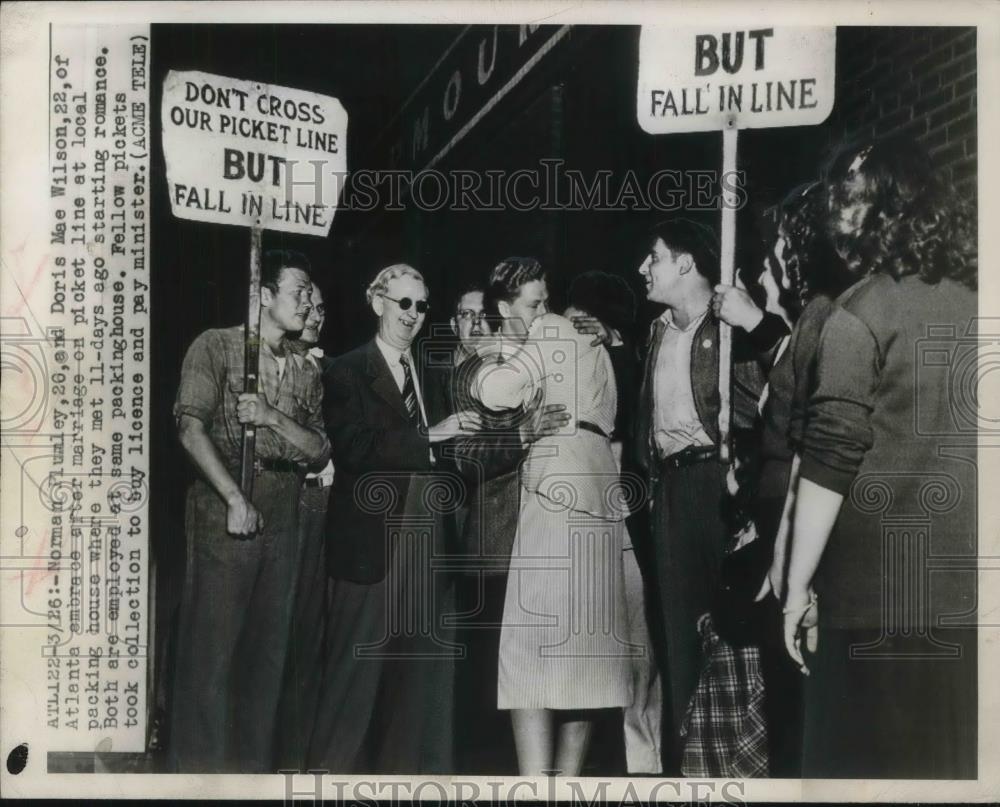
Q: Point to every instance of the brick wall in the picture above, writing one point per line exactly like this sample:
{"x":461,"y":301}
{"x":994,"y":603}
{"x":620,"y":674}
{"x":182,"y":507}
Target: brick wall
{"x":918,"y":81}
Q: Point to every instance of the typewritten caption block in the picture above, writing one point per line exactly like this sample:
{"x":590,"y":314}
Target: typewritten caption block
{"x":93,"y":588}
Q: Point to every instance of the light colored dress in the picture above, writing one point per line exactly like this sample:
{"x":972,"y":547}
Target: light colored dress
{"x":565,"y":642}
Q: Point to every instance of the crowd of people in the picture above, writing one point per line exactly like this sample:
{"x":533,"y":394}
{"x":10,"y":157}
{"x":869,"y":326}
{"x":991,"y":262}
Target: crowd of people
{"x":543,"y":496}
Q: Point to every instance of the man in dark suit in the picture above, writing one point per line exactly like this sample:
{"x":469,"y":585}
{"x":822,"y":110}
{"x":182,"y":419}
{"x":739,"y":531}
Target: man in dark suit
{"x":386,"y":701}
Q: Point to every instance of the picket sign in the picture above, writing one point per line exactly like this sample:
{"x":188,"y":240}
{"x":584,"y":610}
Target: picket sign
{"x":701,"y":80}
{"x":254,"y":155}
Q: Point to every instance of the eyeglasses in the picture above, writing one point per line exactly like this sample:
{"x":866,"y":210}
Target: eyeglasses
{"x":404,"y":304}
{"x":473,"y":316}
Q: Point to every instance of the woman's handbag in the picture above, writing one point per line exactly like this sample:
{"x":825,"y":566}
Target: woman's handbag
{"x":741,"y":576}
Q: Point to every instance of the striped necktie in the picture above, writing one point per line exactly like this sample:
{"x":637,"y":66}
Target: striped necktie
{"x":409,"y":392}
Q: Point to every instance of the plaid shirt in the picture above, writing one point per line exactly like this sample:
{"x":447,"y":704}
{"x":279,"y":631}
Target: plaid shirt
{"x":212,"y":380}
{"x":724,"y":729}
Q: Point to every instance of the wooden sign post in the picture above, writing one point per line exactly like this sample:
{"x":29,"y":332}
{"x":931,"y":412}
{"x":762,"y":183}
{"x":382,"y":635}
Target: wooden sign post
{"x":251,"y":359}
{"x":698,"y":80}
{"x":727,"y":258}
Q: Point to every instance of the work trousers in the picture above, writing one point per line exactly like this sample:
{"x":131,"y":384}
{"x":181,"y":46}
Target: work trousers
{"x":688,"y":541}
{"x":233,"y":630}
{"x":304,"y":665}
{"x":387,"y":698}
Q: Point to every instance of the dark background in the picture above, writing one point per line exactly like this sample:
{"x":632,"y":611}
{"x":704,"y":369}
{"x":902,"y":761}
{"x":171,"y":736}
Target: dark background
{"x":577,"y":104}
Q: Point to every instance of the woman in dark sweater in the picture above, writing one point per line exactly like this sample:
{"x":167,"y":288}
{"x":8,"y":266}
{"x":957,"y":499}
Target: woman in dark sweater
{"x":888,"y":484}
{"x":802,"y":276}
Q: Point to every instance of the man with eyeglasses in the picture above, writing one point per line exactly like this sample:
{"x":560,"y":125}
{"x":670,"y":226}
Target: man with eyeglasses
{"x":386,"y":700}
{"x":468,"y":322}
{"x":241,"y":548}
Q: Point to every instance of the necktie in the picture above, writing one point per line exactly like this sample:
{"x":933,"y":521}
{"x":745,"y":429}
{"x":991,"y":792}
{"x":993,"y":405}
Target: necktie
{"x":409,"y":393}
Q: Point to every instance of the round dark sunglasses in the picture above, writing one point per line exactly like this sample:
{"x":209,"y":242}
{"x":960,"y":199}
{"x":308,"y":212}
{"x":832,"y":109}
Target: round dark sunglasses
{"x":404,"y":304}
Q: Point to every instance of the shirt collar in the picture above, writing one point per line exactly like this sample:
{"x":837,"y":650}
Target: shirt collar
{"x":316,"y":352}
{"x":667,"y":318}
{"x":390,"y":353}
{"x":285,"y":345}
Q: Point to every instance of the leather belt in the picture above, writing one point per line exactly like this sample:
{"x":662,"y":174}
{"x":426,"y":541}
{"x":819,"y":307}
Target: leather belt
{"x":317,"y":482}
{"x":587,"y":426}
{"x":690,"y":456}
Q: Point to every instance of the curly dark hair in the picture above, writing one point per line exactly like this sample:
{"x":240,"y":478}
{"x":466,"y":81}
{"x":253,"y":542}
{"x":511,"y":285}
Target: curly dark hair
{"x":911,"y":223}
{"x":812,"y":266}
{"x":695,"y":238}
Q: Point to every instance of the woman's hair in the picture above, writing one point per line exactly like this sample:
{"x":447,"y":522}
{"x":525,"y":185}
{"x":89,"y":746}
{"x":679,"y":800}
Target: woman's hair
{"x":812,"y":266}
{"x":606,"y":297}
{"x":912,"y":224}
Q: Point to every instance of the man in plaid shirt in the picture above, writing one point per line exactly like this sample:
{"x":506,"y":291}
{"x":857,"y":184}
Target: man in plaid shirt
{"x":241,"y":552}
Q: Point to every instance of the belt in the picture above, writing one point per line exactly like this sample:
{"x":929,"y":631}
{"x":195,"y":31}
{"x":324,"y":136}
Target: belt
{"x":277,"y":466}
{"x":317,"y":482}
{"x":587,"y":426}
{"x":690,"y":456}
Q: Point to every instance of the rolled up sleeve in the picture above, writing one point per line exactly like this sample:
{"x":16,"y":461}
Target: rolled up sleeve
{"x":202,"y":375}
{"x":838,"y":430}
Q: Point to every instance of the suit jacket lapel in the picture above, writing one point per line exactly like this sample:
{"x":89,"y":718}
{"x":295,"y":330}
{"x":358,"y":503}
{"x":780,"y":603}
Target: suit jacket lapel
{"x":383,"y":384}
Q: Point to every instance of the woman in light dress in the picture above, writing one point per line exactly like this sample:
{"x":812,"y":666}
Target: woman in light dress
{"x":564,"y":645}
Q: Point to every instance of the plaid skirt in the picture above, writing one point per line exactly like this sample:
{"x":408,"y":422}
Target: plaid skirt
{"x":724,"y":729}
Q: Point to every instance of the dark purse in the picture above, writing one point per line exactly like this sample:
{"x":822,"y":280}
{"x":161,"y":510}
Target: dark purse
{"x":747,"y":556}
{"x":741,"y":575}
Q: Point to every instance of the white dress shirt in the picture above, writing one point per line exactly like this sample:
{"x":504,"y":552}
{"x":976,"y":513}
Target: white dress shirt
{"x":392,"y":356}
{"x":676,"y":424}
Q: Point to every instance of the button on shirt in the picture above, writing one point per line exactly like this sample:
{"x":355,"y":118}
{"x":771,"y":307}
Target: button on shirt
{"x":212,"y":380}
{"x":676,"y":424}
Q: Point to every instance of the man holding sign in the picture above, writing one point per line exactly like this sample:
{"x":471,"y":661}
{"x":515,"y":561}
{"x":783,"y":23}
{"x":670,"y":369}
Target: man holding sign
{"x":241,"y":552}
{"x":679,"y":436}
{"x":705,"y":80}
